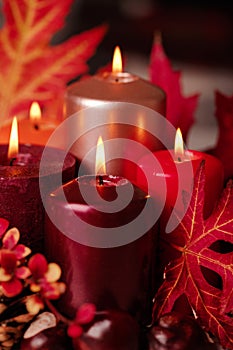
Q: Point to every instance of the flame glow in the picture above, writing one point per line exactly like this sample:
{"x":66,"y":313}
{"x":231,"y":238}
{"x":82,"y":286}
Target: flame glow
{"x":13,"y":148}
{"x":100,"y":166}
{"x":35,"y":112}
{"x":179,"y":146}
{"x":117,"y":61}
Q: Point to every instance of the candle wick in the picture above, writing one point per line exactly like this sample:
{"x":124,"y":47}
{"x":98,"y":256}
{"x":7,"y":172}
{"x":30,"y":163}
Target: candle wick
{"x":179,"y":159}
{"x":100,"y":180}
{"x":12,"y":161}
{"x":36,"y":126}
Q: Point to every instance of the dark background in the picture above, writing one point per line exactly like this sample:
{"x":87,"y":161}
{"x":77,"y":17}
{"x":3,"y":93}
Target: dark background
{"x":192,"y":31}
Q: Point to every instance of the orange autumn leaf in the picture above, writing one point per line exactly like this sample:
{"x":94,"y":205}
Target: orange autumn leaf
{"x":31,"y":68}
{"x":213,"y":305}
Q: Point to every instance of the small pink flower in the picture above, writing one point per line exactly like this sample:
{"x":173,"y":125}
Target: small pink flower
{"x":10,"y":240}
{"x":85,"y":314}
{"x":11,"y":273}
{"x":44,"y":279}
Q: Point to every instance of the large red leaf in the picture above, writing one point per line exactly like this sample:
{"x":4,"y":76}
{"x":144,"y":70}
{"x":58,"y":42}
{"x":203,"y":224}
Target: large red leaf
{"x":184,"y":275}
{"x":31,"y":68}
{"x":180,"y":109}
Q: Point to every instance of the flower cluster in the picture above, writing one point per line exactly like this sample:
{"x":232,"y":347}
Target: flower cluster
{"x":18,"y":273}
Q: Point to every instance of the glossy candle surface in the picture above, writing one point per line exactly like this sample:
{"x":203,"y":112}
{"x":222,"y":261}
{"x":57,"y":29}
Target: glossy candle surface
{"x":118,"y":87}
{"x":108,"y":276}
{"x":186,"y":169}
{"x":126,"y":128}
{"x":20,"y":198}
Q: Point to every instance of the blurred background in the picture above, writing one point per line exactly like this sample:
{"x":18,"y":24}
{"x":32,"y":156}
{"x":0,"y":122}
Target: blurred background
{"x":193,"y":31}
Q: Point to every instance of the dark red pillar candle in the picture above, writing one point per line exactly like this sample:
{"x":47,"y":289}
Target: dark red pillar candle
{"x":20,"y":198}
{"x":104,"y":261}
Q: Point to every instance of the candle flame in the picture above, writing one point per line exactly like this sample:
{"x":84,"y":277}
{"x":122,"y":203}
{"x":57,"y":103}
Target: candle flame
{"x":100,"y":166}
{"x":179,"y":145}
{"x":13,"y":148}
{"x":117,"y":61}
{"x":35,"y":112}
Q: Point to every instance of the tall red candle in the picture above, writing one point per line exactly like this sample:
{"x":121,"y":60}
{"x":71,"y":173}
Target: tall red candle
{"x":178,"y":173}
{"x":175,"y":172}
{"x":107,"y":257}
{"x":20,"y":198}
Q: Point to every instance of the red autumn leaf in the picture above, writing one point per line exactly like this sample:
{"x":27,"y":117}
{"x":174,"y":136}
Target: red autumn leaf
{"x":224,"y":146}
{"x":184,"y":275}
{"x":31,"y":68}
{"x":180,"y":109}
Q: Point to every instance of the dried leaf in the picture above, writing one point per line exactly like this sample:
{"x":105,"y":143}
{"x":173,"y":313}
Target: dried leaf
{"x":35,"y":70}
{"x":25,"y":318}
{"x":180,"y":109}
{"x":43,"y":321}
{"x":184,"y":275}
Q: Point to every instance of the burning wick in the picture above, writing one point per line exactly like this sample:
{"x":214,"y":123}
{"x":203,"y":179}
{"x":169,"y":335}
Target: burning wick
{"x":12,"y":161}
{"x":100,"y":180}
{"x":117,"y":62}
{"x":35,"y":115}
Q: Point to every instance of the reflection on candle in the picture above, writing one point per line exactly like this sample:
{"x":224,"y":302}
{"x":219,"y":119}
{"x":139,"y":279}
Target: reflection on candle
{"x":13,"y":148}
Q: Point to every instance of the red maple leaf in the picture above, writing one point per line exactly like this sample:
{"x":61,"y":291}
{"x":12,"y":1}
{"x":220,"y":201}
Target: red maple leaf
{"x":184,"y":275}
{"x":180,"y":109}
{"x":31,"y":68}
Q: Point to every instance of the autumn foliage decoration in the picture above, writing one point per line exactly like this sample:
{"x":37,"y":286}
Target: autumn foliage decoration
{"x":31,"y":68}
{"x":213,"y":305}
{"x":180,"y":109}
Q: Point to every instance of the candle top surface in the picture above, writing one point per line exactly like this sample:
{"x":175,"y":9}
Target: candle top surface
{"x":27,"y":162}
{"x":107,"y":187}
{"x":110,"y":87}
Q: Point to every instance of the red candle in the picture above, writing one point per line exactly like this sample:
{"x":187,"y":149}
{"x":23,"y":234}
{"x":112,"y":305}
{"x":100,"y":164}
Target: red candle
{"x":174,"y":172}
{"x":20,"y":198}
{"x":127,"y":94}
{"x":177,"y":169}
{"x":115,"y":86}
{"x":104,"y":244}
{"x":33,"y":130}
